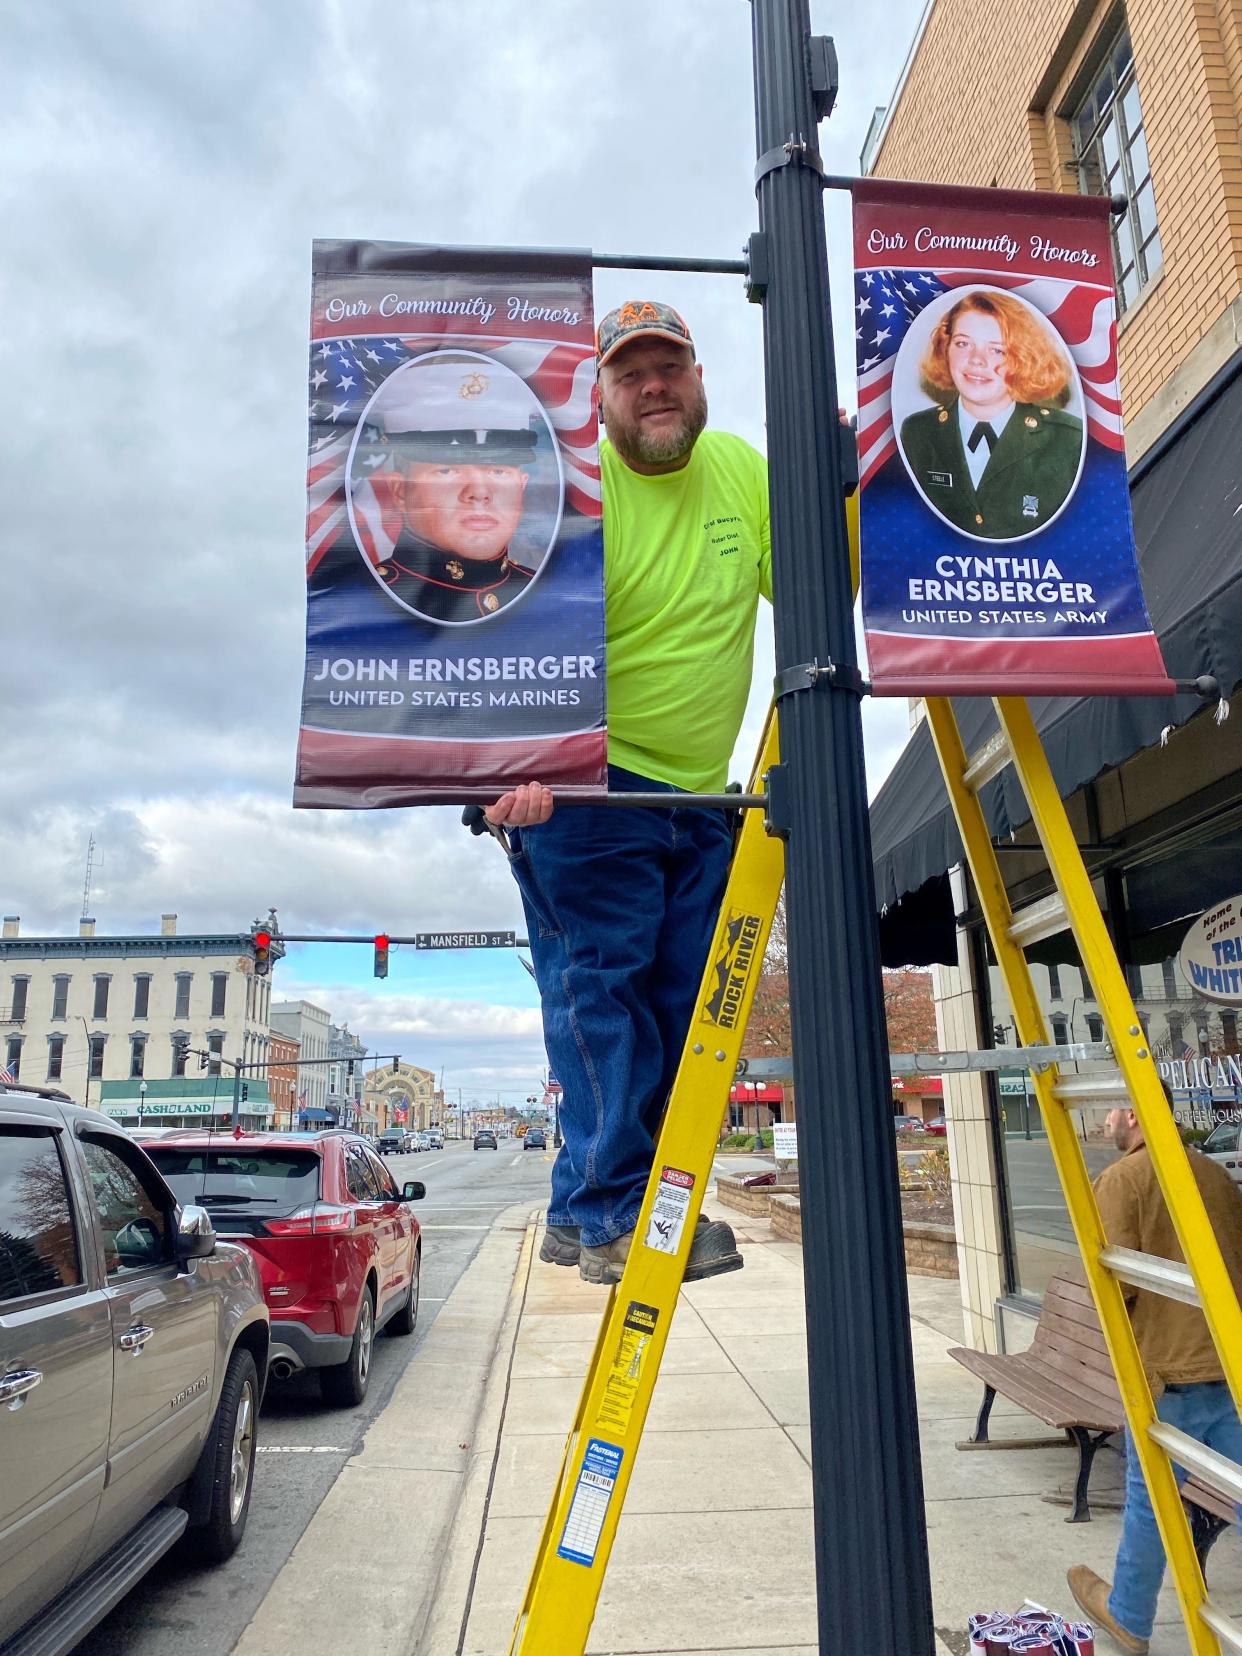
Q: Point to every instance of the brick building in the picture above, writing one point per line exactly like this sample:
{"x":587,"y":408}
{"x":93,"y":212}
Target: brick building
{"x":1141,"y":100}
{"x":282,"y":1080}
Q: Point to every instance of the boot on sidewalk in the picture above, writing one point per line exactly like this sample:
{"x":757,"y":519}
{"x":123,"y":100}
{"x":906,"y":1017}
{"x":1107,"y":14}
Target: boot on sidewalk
{"x":713,"y":1252}
{"x":1091,"y":1592}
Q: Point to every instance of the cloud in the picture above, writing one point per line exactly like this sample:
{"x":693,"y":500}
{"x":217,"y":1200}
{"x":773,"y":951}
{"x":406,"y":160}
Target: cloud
{"x":166,"y":168}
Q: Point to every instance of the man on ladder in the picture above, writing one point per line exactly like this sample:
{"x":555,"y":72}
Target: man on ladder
{"x":621,"y":904}
{"x":1179,"y":1357}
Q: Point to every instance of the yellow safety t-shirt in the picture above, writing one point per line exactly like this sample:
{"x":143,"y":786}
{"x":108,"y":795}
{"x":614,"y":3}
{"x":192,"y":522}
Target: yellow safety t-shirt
{"x":686,"y":555}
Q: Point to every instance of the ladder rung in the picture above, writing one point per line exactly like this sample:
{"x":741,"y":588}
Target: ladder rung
{"x":1217,"y":1471}
{"x":1224,"y":1627}
{"x":1087,"y":1089}
{"x":990,"y":760}
{"x":1168,"y":1277}
{"x":1037,"y":921}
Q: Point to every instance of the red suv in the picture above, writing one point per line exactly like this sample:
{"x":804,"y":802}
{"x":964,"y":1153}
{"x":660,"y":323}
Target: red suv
{"x":336,"y":1245}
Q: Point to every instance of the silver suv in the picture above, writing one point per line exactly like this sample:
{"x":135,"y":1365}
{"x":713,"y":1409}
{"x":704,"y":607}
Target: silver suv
{"x":133,"y":1355}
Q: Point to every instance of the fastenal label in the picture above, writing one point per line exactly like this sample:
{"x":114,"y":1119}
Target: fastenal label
{"x":627,"y":1367}
{"x":601,"y":1466}
{"x":731,"y":969}
{"x":668,"y":1212}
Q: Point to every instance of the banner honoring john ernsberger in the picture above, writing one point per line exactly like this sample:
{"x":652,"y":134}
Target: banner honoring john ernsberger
{"x":997,"y":546}
{"x":454,"y":542}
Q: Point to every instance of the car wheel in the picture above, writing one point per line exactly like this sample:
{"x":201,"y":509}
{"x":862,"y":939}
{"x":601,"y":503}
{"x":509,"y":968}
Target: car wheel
{"x":345,"y":1384}
{"x":228,"y":1458}
{"x":405,"y":1320}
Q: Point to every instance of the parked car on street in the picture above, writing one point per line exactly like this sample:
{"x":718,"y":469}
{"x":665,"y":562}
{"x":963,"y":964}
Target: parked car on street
{"x":422,"y":1141}
{"x":392,"y":1142}
{"x":536,"y":1139}
{"x":435,"y":1139}
{"x":337,"y":1247}
{"x":133,"y":1355}
{"x":908,"y":1124}
{"x":485,"y":1139}
{"x":938,"y":1127}
{"x":1224,"y":1145}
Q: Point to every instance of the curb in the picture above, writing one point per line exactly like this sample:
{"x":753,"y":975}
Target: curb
{"x":448,"y":1617}
{"x":365,"y":1571}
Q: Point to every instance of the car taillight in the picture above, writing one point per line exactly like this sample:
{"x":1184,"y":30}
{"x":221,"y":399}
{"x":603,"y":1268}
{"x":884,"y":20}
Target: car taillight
{"x":318,"y":1219}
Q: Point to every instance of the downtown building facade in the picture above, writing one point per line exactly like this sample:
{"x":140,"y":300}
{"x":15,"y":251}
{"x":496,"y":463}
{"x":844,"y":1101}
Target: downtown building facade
{"x":1141,"y":100}
{"x":145,"y":1027}
{"x":310,"y":1027}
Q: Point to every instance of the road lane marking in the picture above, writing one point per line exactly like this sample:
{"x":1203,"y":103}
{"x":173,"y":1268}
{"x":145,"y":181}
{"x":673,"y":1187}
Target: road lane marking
{"x":300,"y":1449}
{"x":421,"y":1226}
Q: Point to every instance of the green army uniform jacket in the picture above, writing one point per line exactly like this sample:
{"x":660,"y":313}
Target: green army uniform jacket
{"x":445,"y":587}
{"x":1026,"y":481}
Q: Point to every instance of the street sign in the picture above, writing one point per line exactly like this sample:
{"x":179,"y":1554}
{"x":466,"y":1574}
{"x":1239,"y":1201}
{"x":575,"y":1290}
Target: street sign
{"x":465,"y":940}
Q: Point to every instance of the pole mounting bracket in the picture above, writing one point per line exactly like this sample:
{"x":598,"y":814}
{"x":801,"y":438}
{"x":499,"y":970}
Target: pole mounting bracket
{"x":817,"y":675}
{"x":794,"y":152}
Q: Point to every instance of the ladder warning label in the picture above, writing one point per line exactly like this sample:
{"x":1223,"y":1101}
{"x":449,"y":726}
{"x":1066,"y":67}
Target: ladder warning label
{"x":601,"y":1466}
{"x":731,"y":969}
{"x":668,"y":1211}
{"x":621,"y":1387}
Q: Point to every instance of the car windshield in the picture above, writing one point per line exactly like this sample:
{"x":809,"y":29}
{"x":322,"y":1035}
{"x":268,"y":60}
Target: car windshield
{"x":1223,"y":1137}
{"x":278,"y":1178}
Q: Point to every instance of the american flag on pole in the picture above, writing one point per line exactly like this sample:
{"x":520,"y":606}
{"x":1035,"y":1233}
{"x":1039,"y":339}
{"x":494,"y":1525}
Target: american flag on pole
{"x":7,"y":1076}
{"x":887,"y":301}
{"x":346,"y":373}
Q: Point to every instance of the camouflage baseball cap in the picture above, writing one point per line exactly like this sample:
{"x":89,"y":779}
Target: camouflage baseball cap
{"x":638,"y":319}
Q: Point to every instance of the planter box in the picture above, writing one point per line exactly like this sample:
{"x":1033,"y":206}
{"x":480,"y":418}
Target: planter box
{"x":785,"y":1214}
{"x":931,"y":1250}
{"x":732,"y":1193}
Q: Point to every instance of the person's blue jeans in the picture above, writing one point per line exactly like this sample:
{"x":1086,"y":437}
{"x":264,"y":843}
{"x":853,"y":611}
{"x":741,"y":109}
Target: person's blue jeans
{"x":621,"y":903}
{"x":1203,"y":1412}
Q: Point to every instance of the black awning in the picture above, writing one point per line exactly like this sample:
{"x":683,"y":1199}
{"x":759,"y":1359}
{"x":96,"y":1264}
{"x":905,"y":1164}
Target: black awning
{"x":1186,"y":497}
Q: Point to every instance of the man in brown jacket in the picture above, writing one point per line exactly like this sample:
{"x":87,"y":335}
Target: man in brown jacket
{"x":1182,"y":1367}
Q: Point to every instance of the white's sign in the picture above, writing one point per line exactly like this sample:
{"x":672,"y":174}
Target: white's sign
{"x":785,"y":1140}
{"x":1211,"y":953}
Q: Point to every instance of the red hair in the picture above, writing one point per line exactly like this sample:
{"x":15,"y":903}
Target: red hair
{"x":1036,"y":369}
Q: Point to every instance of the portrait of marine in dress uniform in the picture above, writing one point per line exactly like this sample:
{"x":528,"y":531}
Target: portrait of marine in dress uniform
{"x":999,"y":453}
{"x":457,"y":435}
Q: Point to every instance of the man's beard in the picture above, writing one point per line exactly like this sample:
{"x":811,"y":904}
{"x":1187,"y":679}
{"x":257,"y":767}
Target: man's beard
{"x":633,"y":441}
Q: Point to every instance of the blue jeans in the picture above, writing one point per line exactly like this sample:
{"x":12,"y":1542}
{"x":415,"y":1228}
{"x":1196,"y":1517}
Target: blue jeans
{"x":1205,"y":1412}
{"x":621,"y":903}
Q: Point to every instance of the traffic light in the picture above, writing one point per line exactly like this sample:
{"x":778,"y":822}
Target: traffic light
{"x":396,"y":1066}
{"x":245,"y":1092}
{"x":262,"y":953}
{"x":202,"y":1060}
{"x":381,"y":955}
{"x":349,"y":1069}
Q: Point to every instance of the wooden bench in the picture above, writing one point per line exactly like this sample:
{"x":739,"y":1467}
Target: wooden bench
{"x":1066,"y":1380}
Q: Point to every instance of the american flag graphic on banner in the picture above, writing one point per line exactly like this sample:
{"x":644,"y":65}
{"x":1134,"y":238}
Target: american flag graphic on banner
{"x":886,"y":302}
{"x":344,"y":376}
{"x":997,"y":550}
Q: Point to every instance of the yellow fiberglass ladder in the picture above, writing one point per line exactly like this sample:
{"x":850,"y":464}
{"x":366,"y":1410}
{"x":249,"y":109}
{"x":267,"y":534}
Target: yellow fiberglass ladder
{"x":1203,"y":1280}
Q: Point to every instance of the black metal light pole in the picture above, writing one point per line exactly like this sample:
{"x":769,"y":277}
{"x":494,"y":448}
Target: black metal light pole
{"x":870,"y":1531}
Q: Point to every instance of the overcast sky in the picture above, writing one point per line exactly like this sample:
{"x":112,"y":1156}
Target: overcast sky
{"x":167,"y":165}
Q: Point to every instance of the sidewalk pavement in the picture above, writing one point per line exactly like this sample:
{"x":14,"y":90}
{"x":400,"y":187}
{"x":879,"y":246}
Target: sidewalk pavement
{"x":714,"y":1552}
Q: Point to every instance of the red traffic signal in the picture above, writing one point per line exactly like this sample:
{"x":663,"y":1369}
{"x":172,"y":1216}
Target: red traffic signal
{"x":262,"y":953}
{"x":381,"y":955}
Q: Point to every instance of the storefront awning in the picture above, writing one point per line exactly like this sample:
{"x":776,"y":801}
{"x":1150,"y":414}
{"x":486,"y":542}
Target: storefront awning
{"x":1186,"y":495}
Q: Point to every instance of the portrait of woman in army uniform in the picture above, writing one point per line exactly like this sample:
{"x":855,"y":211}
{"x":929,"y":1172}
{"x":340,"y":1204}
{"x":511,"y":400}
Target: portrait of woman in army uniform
{"x":998,"y":453}
{"x":450,"y":447}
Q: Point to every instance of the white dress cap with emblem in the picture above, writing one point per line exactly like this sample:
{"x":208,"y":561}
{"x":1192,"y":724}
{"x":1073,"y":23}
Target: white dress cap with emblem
{"x":465,"y":410}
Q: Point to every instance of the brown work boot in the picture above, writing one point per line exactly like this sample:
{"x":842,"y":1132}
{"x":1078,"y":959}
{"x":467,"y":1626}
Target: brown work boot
{"x":1091,"y":1592}
{"x":713,"y":1252}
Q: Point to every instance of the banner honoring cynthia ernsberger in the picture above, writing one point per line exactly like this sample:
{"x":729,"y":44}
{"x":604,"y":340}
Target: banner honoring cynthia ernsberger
{"x":454,"y":544}
{"x":997,"y":546}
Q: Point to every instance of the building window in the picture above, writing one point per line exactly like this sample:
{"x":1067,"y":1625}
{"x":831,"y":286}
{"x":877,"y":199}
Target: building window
{"x":215,"y":1047}
{"x":1060,"y":1032}
{"x":1110,"y":144}
{"x":13,"y":1056}
{"x":1169,"y":970}
{"x":55,"y":1057}
{"x":60,"y":997}
{"x":96,"y":1056}
{"x":101,"y":997}
{"x":182,"y":1009}
{"x":142,"y":996}
{"x":1095,"y":1027}
{"x":1229,"y":1031}
{"x":21,"y":988}
{"x":219,"y":987}
{"x":1054,"y":983}
{"x":181,"y":1053}
{"x":137,"y":1056}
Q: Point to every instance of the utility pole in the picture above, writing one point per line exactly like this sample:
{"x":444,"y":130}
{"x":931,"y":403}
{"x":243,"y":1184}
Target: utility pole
{"x":870,"y":1531}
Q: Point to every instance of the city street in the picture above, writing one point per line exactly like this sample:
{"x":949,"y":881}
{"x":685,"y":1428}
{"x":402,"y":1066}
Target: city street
{"x":303,"y":1444}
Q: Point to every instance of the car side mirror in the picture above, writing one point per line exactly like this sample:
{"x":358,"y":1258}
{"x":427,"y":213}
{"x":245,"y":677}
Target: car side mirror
{"x":413,"y":1190}
{"x":196,"y":1235}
